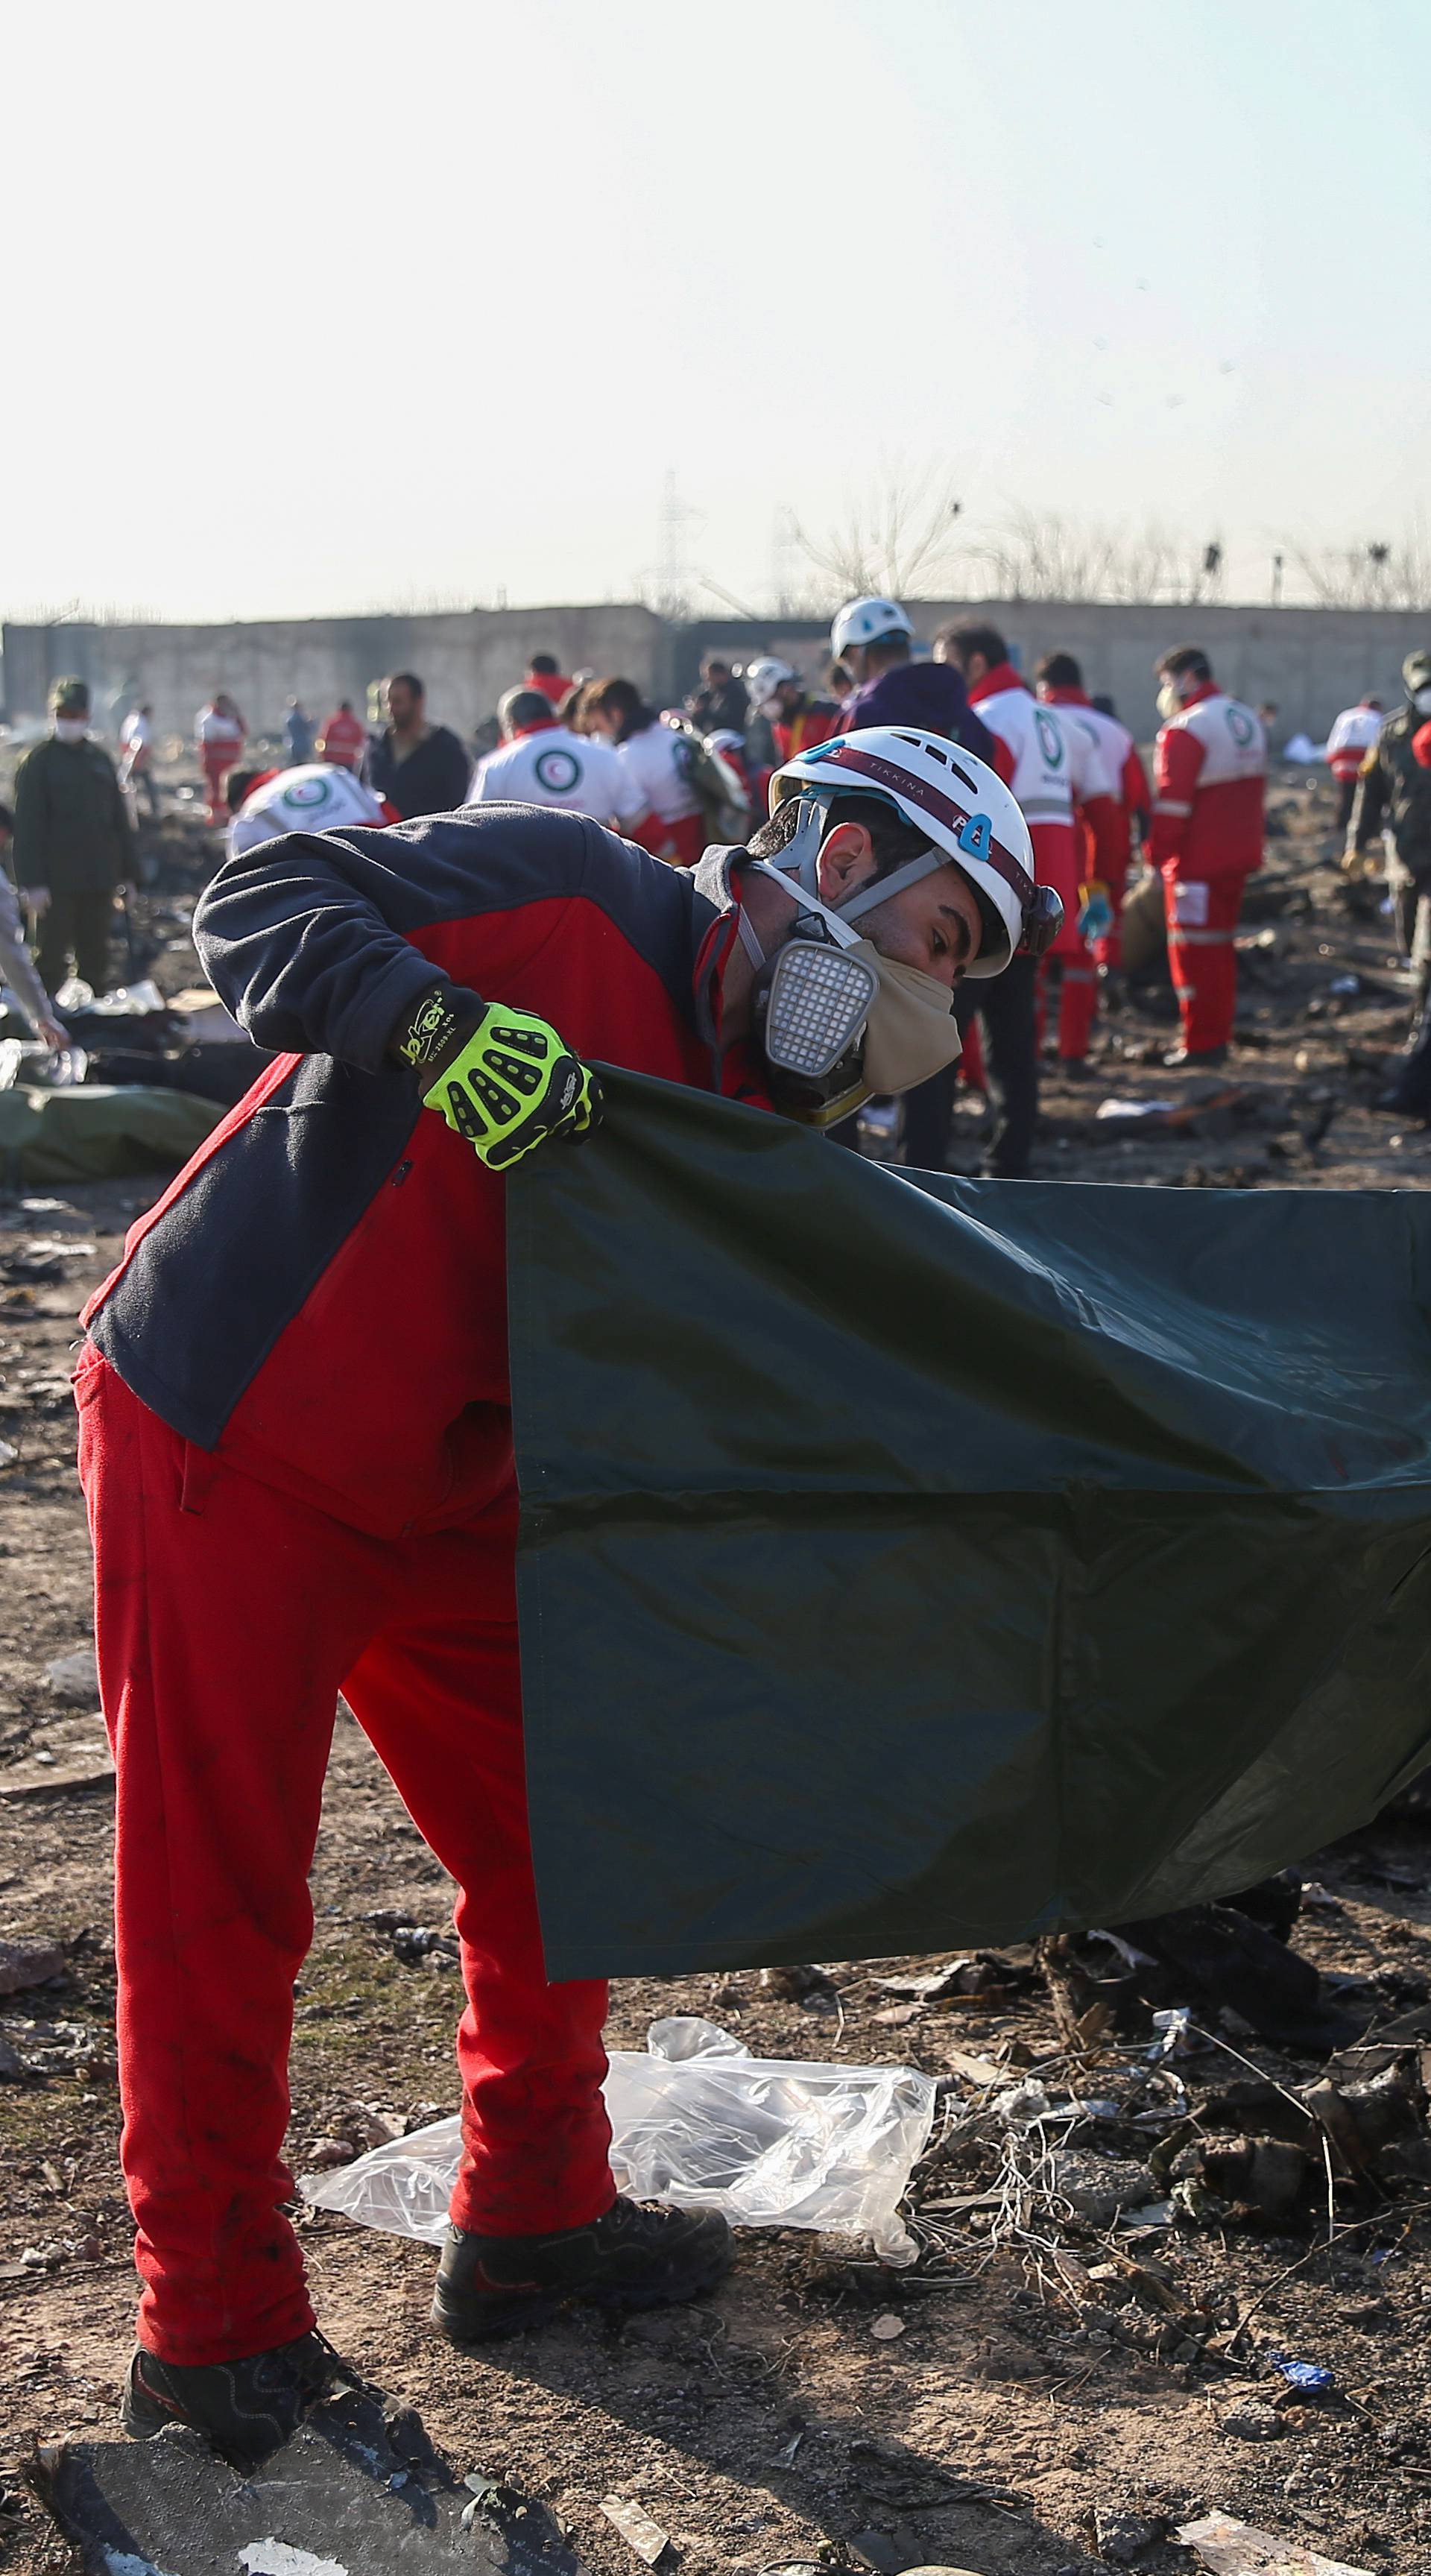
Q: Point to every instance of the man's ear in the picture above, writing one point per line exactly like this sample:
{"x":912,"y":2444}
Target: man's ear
{"x":847,"y":861}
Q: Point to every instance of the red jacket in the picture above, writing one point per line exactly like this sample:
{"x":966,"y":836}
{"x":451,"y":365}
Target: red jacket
{"x":320,"y":1297}
{"x":344,"y":739}
{"x":1209,"y":779}
{"x":552,"y":684}
{"x":819,"y":720}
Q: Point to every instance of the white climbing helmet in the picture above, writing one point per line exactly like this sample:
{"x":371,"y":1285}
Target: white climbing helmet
{"x":961,"y":806}
{"x":762,"y":679}
{"x":863,"y":621}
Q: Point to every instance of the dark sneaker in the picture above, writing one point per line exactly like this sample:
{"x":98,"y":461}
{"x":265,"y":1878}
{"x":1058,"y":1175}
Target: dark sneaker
{"x":636,"y":2256}
{"x":1192,"y":1059}
{"x":244,"y":2408}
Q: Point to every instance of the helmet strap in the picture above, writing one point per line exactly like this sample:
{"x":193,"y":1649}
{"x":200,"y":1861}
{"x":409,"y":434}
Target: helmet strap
{"x":879,"y":888}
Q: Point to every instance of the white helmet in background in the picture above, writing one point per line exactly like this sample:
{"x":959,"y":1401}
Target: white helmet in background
{"x":762,"y":679}
{"x":961,"y":806}
{"x":863,"y":621}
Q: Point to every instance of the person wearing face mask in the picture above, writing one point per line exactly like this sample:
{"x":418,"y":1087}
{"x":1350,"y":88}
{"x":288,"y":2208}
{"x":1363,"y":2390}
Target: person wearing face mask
{"x":74,"y":844}
{"x":294,"y":1391}
{"x":1208,"y":785}
{"x":1399,"y":783}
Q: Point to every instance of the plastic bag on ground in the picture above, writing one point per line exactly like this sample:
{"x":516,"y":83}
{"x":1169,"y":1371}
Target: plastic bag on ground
{"x":700,"y":2124}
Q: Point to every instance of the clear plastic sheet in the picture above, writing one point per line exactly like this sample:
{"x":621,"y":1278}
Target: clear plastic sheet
{"x":699,"y":2123}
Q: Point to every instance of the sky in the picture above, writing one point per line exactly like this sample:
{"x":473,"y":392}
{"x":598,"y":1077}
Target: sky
{"x":316,"y":311}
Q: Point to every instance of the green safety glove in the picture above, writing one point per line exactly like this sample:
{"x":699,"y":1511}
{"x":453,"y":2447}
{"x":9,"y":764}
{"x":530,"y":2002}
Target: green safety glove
{"x":505,"y":1082}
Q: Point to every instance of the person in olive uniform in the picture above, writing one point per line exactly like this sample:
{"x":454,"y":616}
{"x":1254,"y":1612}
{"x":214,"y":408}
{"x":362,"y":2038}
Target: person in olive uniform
{"x":74,"y":848}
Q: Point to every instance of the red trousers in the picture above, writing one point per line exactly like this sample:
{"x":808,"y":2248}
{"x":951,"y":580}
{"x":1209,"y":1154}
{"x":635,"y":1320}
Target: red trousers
{"x":683,"y":842}
{"x":228,"y":1616}
{"x":1057,"y":856}
{"x":218,"y":759}
{"x":1202,"y":917}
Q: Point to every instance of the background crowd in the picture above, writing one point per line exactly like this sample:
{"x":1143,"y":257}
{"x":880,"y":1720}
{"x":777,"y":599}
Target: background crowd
{"x":675,"y":779}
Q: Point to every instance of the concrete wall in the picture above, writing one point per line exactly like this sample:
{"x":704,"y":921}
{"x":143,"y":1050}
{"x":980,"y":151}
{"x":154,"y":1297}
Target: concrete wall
{"x":1312,"y":661}
{"x":466,"y":660}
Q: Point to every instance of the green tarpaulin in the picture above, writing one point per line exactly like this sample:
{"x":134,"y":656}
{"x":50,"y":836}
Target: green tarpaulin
{"x":909,"y":1561}
{"x":98,"y":1132}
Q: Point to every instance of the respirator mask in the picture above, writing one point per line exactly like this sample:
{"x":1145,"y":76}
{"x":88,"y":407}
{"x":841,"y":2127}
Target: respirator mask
{"x":834,"y":1019}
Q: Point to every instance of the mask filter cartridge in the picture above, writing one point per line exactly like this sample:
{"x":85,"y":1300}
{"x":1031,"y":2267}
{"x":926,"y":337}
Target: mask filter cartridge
{"x":815,"y":1005}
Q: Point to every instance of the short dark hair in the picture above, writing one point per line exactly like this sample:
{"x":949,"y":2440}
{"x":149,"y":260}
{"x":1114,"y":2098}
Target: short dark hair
{"x":623,"y":700}
{"x":894,"y":840}
{"x":520,"y":707}
{"x":715,"y":662}
{"x":1184,"y":662}
{"x":968,"y":636}
{"x":546,"y":663}
{"x":238,"y":786}
{"x":409,"y":680}
{"x":1059,"y":671}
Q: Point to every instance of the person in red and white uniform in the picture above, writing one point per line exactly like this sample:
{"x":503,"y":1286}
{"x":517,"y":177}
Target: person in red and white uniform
{"x":344,"y":738}
{"x":652,"y":754}
{"x":320,"y":797}
{"x":1353,"y":735}
{"x":220,"y":733}
{"x":541,"y":762}
{"x":544,"y":672}
{"x":1209,"y":780}
{"x":1109,"y":806}
{"x":1048,"y":769}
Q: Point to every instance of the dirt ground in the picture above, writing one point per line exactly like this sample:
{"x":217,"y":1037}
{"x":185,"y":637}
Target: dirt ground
{"x":1013,"y":2417}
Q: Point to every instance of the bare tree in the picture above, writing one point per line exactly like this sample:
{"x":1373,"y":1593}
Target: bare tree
{"x":1374,"y":573}
{"x":1039,"y":555}
{"x":893,"y":538}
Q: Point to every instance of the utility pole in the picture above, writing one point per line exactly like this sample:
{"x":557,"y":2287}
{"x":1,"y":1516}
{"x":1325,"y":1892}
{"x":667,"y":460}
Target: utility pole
{"x":673,"y":572}
{"x":1277,"y":581}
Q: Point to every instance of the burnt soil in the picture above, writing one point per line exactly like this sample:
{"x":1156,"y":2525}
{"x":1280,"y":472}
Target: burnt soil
{"x":1019,"y":2408}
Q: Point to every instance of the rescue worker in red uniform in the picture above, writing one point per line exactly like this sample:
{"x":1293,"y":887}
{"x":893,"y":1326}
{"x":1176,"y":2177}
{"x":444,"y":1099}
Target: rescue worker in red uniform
{"x":1047,"y":768}
{"x":1117,"y":793}
{"x":296,"y":1451}
{"x":1208,"y":785}
{"x":343,"y":741}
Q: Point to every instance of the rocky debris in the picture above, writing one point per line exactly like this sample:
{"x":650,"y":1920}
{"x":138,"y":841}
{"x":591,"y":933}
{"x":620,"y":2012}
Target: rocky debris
{"x":637,"y":2529}
{"x":359,"y":2486}
{"x":1121,"y":2537}
{"x":29,"y":1963}
{"x":1226,"y":2547}
{"x":73,"y":1679}
{"x":433,"y":1945}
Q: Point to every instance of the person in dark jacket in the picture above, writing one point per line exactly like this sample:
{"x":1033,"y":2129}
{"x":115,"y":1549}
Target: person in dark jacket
{"x":74,"y":846}
{"x":873,"y":637}
{"x":722,"y":702}
{"x":419,"y":767}
{"x":1397,"y":785}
